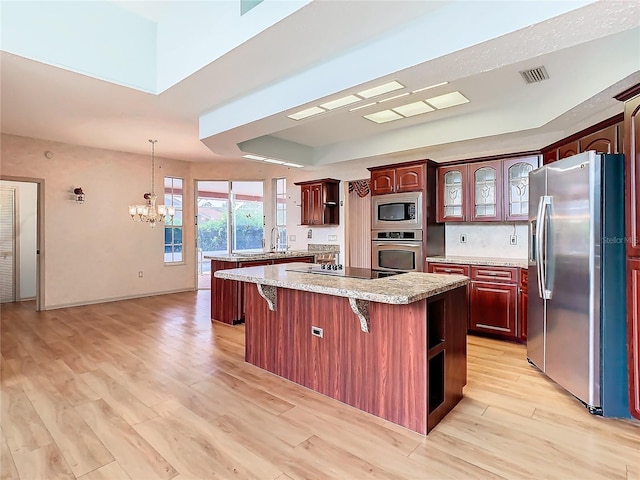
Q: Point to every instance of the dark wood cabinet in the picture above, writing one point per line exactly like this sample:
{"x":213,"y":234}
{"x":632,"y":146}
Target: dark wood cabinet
{"x":228,"y":296}
{"x":604,"y":137}
{"x":493,"y":308}
{"x":448,"y":268}
{"x":568,"y":150}
{"x":485,"y":192}
{"x":410,"y":178}
{"x":516,"y":186}
{"x":633,"y":334}
{"x":631,"y":148}
{"x":383,"y":181}
{"x":549,"y":156}
{"x":489,"y":191}
{"x":309,"y":259}
{"x":497,"y":298}
{"x":602,"y":141}
{"x":632,"y":175}
{"x":451,"y":199}
{"x":523,"y":296}
{"x":319,"y":202}
{"x":398,"y":178}
{"x":493,"y":300}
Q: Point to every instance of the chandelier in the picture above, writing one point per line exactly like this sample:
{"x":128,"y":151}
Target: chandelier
{"x":149,"y":212}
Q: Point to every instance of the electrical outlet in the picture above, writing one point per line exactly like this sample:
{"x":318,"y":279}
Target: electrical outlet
{"x":292,"y":238}
{"x":463,"y":238}
{"x":310,"y":233}
{"x":140,"y":274}
{"x":513,"y":240}
{"x":332,"y":238}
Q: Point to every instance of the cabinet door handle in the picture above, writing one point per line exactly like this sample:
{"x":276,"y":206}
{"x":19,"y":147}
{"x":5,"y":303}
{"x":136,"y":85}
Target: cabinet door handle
{"x":447,"y":270}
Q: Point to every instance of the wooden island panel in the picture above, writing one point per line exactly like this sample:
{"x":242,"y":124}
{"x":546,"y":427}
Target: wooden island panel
{"x":384,"y":372}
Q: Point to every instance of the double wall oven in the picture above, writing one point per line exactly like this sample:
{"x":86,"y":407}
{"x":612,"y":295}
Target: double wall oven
{"x":394,"y":251}
{"x":397,"y":236}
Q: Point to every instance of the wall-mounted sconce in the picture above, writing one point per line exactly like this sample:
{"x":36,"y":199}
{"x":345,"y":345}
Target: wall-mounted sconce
{"x":79,"y":194}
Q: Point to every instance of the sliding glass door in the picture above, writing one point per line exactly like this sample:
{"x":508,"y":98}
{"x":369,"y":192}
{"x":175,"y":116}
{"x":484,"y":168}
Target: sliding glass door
{"x":230,"y":219}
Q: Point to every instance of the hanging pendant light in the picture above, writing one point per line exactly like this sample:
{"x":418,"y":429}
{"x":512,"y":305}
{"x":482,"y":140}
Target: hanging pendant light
{"x":149,"y":212}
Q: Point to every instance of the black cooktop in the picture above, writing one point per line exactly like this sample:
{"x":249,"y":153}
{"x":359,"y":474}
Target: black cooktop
{"x":336,"y":271}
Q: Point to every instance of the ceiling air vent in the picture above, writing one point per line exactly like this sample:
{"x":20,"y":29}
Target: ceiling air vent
{"x":535,"y":75}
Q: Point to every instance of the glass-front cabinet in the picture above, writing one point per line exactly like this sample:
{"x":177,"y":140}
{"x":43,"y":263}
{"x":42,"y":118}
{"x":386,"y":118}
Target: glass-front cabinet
{"x":489,"y":191}
{"x":452,"y":192}
{"x":485,"y":192}
{"x":516,"y":187}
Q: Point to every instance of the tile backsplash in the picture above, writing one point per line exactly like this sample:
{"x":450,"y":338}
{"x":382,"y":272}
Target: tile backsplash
{"x":487,"y":239}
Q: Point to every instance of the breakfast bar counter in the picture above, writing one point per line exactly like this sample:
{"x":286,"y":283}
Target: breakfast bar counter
{"x":394,"y":347}
{"x":397,"y":289}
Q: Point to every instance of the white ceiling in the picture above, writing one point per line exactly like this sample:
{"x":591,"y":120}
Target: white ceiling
{"x":591,"y":54}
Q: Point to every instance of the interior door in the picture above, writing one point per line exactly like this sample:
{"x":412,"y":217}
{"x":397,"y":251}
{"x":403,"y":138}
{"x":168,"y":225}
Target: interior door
{"x":7,"y":245}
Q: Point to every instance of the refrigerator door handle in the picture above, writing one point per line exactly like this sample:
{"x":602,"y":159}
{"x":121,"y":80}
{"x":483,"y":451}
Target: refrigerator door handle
{"x":538,"y":246}
{"x":545,"y":293}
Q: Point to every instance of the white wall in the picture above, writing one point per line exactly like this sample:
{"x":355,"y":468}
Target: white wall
{"x":27,"y":197}
{"x":93,"y":252}
{"x":487,"y":240}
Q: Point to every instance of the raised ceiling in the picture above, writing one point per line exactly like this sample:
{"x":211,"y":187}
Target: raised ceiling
{"x":238,"y":103}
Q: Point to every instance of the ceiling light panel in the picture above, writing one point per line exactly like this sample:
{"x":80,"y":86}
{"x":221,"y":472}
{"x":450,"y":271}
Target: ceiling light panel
{"x":362,"y":106}
{"x":383,"y":117}
{"x":415,"y":108}
{"x":430,"y":86}
{"x":309,"y":112}
{"x":253,"y":157}
{"x":340,"y":102}
{"x":393,"y":98}
{"x":381,"y":89}
{"x":447,"y":100}
{"x":271,"y":160}
{"x":292,"y":165}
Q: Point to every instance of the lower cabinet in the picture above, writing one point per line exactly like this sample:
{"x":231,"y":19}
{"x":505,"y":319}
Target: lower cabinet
{"x":493,"y":301}
{"x":633,"y":335}
{"x":493,"y":308}
{"x":523,"y":294}
{"x":497,"y":298}
{"x":227,"y":296}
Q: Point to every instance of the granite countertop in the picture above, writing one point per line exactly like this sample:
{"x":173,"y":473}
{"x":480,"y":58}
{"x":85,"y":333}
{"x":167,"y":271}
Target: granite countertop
{"x":489,"y":261}
{"x":248,"y":257}
{"x":398,"y":289}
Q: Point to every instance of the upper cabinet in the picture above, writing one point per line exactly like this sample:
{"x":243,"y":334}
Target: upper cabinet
{"x":491,"y":191}
{"x":632,"y":175}
{"x":319,"y":202}
{"x":452,"y":194}
{"x":405,"y":177}
{"x":485,"y":196}
{"x":516,"y":186}
{"x":605,"y":137}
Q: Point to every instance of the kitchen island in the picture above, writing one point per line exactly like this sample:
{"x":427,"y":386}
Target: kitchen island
{"x":227,"y":296}
{"x":394,"y":347}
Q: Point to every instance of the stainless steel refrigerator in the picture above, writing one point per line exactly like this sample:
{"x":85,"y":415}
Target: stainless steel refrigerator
{"x":576,"y":331}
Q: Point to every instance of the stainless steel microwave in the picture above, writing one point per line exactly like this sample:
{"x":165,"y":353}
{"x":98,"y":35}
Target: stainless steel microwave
{"x":398,"y":210}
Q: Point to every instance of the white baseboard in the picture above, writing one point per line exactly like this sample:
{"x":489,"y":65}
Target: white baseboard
{"x":116,"y":299}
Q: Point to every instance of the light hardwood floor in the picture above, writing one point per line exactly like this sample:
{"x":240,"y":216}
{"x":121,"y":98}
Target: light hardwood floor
{"x":150,"y":389}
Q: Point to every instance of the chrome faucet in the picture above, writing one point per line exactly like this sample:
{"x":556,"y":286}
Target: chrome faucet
{"x":274,"y":244}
